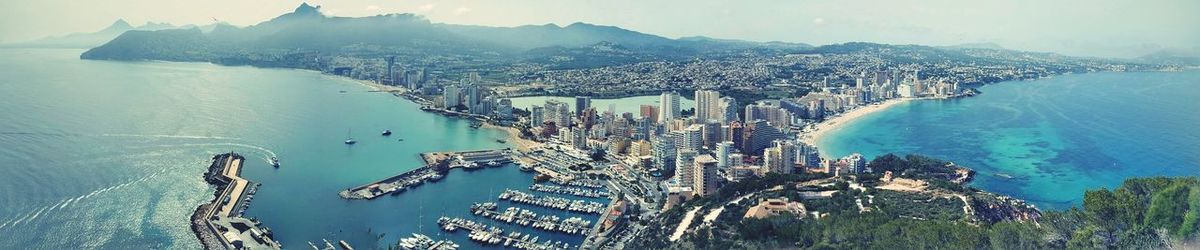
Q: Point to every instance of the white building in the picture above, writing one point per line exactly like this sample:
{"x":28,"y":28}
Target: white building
{"x":668,"y":104}
{"x":708,"y":104}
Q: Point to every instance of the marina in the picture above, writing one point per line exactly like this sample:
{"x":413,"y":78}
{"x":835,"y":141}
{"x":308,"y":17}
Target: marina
{"x":437,"y":166}
{"x":491,"y":235}
{"x":569,"y":190}
{"x":527,"y":218}
{"x":580,"y":206}
{"x":393,"y":185}
{"x":423,"y":242}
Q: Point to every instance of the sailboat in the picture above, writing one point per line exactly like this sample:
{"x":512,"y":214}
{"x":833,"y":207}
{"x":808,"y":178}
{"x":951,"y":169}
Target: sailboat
{"x":349,"y":140}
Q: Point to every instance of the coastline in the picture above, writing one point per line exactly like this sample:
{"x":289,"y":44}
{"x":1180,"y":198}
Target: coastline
{"x":513,"y":135}
{"x":824,"y":128}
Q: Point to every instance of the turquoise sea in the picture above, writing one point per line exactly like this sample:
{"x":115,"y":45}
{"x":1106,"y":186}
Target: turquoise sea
{"x":1048,"y":140}
{"x":97,"y":154}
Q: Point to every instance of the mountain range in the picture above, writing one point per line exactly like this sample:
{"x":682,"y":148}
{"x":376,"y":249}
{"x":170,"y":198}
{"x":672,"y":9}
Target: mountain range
{"x":300,"y":39}
{"x":308,"y":30}
{"x":87,"y":40}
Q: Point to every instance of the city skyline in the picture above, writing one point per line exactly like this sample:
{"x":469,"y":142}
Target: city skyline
{"x":1088,"y":30}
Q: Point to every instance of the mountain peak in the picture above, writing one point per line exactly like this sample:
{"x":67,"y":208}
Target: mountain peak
{"x":308,"y":9}
{"x":120,"y":24}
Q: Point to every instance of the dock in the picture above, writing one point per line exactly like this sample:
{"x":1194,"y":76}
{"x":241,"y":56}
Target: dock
{"x":491,"y":235}
{"x":437,"y":166}
{"x":578,"y":206}
{"x":393,"y":184}
{"x":219,"y":224}
{"x":528,"y":218}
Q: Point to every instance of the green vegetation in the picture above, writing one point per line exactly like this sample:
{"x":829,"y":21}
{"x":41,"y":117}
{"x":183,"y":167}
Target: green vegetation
{"x":1143,"y":213}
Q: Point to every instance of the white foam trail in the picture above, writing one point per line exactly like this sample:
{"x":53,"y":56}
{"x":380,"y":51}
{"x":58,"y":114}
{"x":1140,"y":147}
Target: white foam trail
{"x":68,"y":202}
{"x":173,"y":136}
{"x":5,"y":224}
{"x":57,"y":205}
{"x":35,"y":215}
{"x":268,"y":152}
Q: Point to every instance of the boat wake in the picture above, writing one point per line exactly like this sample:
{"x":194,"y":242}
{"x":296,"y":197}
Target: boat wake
{"x":40,"y":212}
{"x":174,"y":136}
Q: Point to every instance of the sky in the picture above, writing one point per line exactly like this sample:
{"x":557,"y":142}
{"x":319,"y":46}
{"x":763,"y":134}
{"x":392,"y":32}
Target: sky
{"x":1106,"y":28}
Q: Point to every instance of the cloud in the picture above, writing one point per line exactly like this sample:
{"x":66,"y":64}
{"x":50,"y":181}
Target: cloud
{"x":461,"y":10}
{"x":372,"y":7}
{"x":426,"y":8}
{"x":818,"y":21}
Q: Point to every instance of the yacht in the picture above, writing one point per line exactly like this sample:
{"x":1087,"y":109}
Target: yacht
{"x":349,"y":140}
{"x":386,"y":132}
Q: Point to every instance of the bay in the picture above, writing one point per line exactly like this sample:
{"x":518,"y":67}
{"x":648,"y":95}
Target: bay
{"x":110,"y":155}
{"x":1047,"y":140}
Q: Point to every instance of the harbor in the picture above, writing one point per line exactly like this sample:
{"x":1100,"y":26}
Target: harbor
{"x":528,"y":218}
{"x":492,"y":235}
{"x":219,"y":224}
{"x":437,"y":166}
{"x":580,"y":206}
{"x":569,"y":190}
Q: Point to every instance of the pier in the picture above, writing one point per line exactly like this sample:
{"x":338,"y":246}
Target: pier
{"x":527,"y":218}
{"x":219,"y":224}
{"x":579,"y":206}
{"x":396,"y":183}
{"x":569,"y":190}
{"x":491,"y":235}
{"x":437,"y":166}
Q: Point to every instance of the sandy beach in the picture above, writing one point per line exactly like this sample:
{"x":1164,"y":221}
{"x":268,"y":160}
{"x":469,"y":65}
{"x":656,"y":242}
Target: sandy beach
{"x":814,"y":135}
{"x":514,"y":137}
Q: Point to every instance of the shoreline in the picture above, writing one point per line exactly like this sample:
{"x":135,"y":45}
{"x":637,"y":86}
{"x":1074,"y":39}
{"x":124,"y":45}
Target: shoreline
{"x":824,"y":128}
{"x":513,"y":135}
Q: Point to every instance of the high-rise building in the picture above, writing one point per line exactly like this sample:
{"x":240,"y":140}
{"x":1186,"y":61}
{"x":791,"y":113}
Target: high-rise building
{"x":728,"y":109}
{"x":504,"y":109}
{"x":780,"y":158}
{"x":642,"y":128}
{"x":816,"y":109}
{"x":578,"y":138}
{"x":684,"y":175}
{"x":770,"y":112}
{"x":857,"y":163}
{"x":473,"y":94}
{"x":708,"y":104}
{"x":713,"y":133}
{"x":484,"y":107}
{"x":704,"y":175}
{"x":759,"y":135}
{"x":736,"y":134}
{"x":390,"y":78}
{"x":582,"y":103}
{"x":668,"y":106}
{"x":536,"y":116}
{"x":693,"y":137}
{"x":650,"y":111}
{"x":723,"y":150}
{"x":451,"y":97}
{"x":663,"y":151}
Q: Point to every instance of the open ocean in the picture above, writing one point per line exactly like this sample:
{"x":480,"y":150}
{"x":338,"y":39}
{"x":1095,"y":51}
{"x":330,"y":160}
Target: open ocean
{"x":1048,"y":140}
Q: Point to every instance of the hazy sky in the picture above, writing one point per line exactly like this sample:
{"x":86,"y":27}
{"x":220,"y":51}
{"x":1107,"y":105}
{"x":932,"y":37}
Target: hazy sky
{"x":1077,"y":27}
